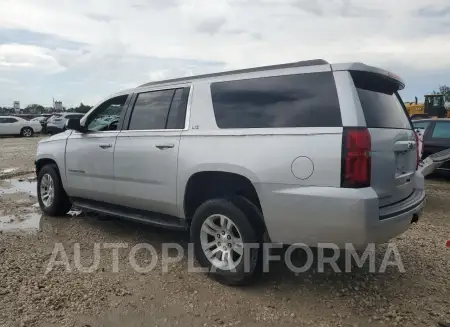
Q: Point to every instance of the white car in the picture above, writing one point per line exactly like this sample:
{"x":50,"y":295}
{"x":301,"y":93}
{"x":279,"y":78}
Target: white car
{"x":40,"y":119}
{"x":57,"y":122}
{"x":11,"y":125}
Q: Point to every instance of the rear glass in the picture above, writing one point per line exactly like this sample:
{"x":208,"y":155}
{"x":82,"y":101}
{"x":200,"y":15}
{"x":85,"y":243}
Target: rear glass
{"x":381,"y":104}
{"x":306,"y":100}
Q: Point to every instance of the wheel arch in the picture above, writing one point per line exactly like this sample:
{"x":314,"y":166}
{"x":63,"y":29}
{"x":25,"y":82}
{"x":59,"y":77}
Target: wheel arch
{"x":208,"y":184}
{"x":40,"y":163}
{"x":60,"y":203}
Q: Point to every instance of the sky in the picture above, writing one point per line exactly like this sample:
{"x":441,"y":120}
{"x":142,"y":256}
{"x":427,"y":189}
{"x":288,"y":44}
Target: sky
{"x":82,"y":51}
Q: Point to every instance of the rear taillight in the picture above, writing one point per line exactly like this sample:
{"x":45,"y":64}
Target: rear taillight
{"x":418,"y":155}
{"x":356,"y":148}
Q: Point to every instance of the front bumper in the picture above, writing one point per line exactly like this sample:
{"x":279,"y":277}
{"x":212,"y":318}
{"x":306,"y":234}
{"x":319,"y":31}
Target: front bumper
{"x":314,"y":215}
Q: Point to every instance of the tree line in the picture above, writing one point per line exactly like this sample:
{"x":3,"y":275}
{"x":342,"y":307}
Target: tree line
{"x":39,"y":109}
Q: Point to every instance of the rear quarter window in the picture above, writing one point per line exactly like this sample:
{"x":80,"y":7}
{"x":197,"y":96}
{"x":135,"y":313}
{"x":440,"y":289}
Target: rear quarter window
{"x":303,"y":100}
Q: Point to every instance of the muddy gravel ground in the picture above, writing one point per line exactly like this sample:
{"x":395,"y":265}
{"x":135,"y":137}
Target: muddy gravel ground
{"x":17,"y":154}
{"x":32,"y":296}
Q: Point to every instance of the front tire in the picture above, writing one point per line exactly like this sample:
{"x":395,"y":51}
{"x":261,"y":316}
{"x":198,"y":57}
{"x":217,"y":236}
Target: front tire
{"x":52,"y":198}
{"x":26,"y":132}
{"x":226,"y":242}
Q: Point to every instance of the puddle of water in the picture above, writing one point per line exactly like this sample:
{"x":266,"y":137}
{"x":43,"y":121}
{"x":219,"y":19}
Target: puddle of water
{"x":23,"y":214}
{"x":19,"y":215}
{"x":27,"y":223}
{"x":10,"y":186}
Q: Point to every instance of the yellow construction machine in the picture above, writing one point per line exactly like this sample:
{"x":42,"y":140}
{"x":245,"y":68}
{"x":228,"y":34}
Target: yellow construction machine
{"x":434,"y":106}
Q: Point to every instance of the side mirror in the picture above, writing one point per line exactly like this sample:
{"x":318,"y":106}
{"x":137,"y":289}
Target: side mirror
{"x":74,"y":124}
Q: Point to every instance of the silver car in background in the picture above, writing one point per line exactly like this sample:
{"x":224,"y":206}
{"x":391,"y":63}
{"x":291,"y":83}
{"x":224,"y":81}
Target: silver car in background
{"x":307,"y":152}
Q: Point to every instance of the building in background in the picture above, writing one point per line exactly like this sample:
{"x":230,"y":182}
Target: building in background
{"x":57,"y":105}
{"x":16,"y":106}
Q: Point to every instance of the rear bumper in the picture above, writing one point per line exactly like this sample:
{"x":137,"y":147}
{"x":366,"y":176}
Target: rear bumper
{"x":314,"y":215}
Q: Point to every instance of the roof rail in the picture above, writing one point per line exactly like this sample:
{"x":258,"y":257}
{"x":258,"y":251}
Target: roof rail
{"x":314,"y":62}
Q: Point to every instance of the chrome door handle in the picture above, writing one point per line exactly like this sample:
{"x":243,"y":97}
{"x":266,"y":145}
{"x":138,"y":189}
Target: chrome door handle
{"x":165,"y":146}
{"x":105,"y":146}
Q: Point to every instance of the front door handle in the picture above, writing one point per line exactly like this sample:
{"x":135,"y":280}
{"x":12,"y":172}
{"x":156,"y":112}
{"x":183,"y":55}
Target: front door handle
{"x":105,"y":146}
{"x":165,"y":146}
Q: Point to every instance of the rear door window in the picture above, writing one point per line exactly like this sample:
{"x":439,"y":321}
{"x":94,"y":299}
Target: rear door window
{"x":177,"y":112}
{"x":381,"y":104}
{"x":150,"y":110}
{"x":441,"y":130}
{"x":165,"y":109}
{"x":304,"y":100}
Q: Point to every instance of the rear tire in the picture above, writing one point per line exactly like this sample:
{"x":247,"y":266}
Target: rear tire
{"x":245,"y":259}
{"x":52,"y":198}
{"x":26,"y":132}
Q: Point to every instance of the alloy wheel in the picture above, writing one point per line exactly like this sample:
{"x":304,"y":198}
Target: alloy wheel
{"x":27,"y":132}
{"x":221,"y":242}
{"x":47,"y":190}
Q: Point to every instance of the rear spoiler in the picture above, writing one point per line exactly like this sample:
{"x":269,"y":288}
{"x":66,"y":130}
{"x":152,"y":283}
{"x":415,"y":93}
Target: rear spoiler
{"x":356,"y":66}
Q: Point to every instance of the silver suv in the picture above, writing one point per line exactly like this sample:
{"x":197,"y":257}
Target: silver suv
{"x":305,"y":152}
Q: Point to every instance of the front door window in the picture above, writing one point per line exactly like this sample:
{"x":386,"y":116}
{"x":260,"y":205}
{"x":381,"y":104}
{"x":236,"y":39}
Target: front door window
{"x":107,"y":115}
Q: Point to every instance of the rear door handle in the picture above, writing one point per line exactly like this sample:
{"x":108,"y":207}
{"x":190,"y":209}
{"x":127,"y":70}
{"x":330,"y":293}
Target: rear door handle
{"x":165,"y":146}
{"x":105,"y":146}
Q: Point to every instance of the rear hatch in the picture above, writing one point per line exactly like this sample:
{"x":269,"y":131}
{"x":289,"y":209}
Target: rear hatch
{"x":393,"y":142}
